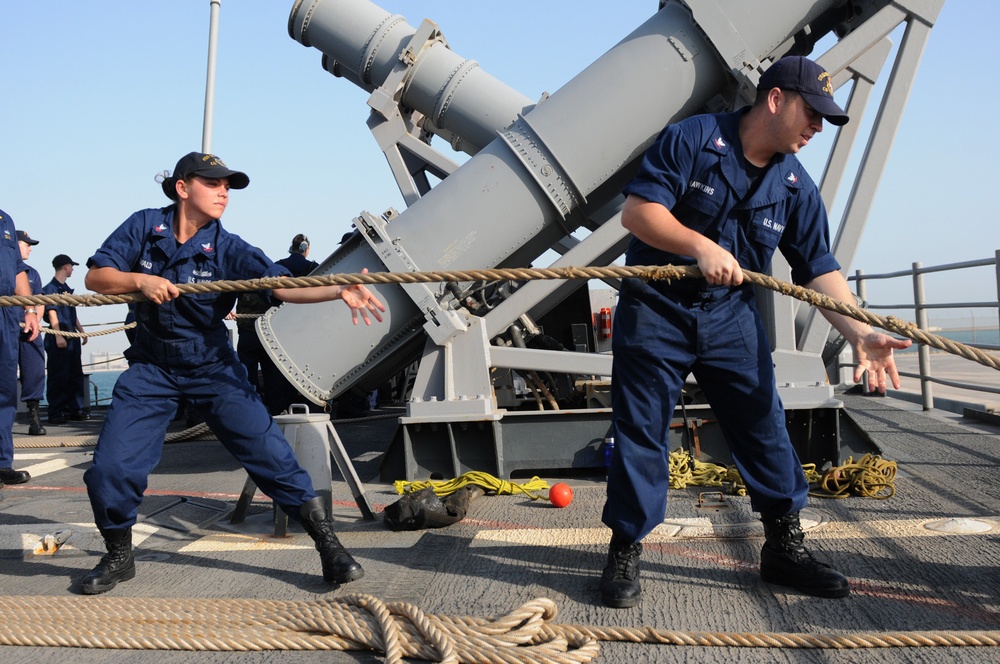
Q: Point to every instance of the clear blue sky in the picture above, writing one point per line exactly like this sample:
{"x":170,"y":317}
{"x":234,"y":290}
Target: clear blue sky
{"x":101,"y":96}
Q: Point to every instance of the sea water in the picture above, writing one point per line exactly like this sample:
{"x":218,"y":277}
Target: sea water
{"x":975,"y":337}
{"x":101,"y":384}
{"x":984,"y":336}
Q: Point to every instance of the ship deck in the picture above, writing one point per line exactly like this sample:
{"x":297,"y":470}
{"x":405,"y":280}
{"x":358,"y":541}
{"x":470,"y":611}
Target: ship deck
{"x":699,"y":570}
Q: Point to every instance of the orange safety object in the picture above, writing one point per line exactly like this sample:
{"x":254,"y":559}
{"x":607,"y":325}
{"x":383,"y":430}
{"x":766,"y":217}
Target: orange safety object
{"x":605,"y":317}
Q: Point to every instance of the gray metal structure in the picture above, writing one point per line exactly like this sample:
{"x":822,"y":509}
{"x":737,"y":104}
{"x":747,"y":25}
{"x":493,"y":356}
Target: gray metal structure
{"x":545,"y":175}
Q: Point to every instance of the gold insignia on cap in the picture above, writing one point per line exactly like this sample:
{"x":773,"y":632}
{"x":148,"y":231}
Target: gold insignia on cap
{"x":827,"y":85}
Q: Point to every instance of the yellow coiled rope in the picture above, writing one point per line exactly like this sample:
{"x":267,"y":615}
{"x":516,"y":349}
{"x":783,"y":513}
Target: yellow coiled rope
{"x":869,"y":477}
{"x":687,"y":471}
{"x":474,"y":477}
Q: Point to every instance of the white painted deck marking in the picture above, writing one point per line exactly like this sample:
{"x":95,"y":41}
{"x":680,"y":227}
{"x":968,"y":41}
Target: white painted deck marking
{"x":79,"y":538}
{"x":676,"y":529}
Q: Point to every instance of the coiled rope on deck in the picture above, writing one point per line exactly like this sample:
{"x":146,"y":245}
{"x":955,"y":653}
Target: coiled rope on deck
{"x":647,"y":272}
{"x":871,"y":476}
{"x":397,"y":629}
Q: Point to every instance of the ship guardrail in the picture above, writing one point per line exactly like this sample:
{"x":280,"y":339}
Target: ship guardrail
{"x":921,"y":306}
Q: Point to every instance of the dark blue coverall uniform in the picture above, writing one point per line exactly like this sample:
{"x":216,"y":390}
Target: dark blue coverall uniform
{"x":664,"y":331}
{"x":64,"y":391}
{"x":298,"y":264}
{"x":31,"y":354}
{"x":10,"y":329}
{"x":279,"y":393}
{"x":182,"y":349}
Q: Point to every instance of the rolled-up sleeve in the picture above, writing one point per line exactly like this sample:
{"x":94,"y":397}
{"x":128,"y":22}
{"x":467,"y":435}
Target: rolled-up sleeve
{"x":665,"y":169}
{"x":806,"y":243}
{"x":121,"y":249}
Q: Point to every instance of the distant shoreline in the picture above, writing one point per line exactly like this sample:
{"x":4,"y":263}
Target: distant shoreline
{"x":977,"y":329}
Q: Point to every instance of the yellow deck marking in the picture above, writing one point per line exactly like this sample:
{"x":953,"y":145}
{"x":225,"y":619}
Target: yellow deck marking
{"x":234,"y":542}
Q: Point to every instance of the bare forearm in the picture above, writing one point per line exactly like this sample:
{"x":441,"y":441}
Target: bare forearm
{"x":308,"y":295}
{"x":110,"y":281}
{"x":835,"y":286}
{"x":658,"y":227}
{"x":360,"y":300}
{"x":31,"y":323}
{"x":21,"y":284}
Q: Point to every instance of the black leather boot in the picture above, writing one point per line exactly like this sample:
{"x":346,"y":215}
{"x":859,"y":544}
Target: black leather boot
{"x":11,"y":476}
{"x":338,"y":565}
{"x":35,"y":427}
{"x":117,"y":565}
{"x":785,"y":561}
{"x":620,"y":588}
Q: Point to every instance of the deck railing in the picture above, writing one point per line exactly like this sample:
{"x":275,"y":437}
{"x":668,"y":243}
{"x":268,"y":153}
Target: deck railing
{"x":920,"y":306}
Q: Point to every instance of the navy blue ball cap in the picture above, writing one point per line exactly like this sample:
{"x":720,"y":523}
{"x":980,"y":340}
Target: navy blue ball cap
{"x":62,"y":259}
{"x":207,"y":166}
{"x":24,"y":237}
{"x":804,"y":76}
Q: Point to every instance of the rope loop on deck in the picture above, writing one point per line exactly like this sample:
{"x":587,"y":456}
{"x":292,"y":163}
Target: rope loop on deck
{"x":397,"y":629}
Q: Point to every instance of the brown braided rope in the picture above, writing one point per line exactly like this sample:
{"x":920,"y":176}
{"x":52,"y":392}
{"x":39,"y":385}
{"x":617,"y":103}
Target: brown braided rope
{"x":197,"y":432}
{"x":82,"y":335}
{"x":397,"y":629}
{"x":843,"y":641}
{"x":646,"y":272}
{"x":85,"y":335}
{"x":351,"y":622}
{"x":50,"y":441}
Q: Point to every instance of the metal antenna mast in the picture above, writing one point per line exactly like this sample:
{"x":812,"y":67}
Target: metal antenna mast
{"x":213,"y":38}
